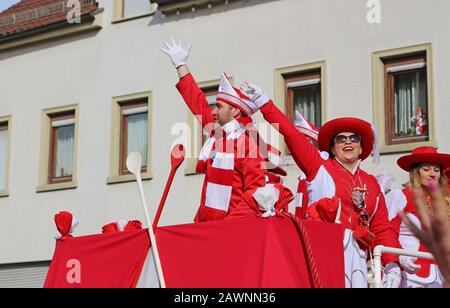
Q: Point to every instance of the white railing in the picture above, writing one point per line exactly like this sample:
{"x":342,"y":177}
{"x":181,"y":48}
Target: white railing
{"x":40,"y":12}
{"x":379,"y":250}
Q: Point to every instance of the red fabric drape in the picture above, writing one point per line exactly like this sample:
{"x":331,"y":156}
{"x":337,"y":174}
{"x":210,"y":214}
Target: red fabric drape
{"x":247,"y":252}
{"x":112,"y":260}
{"x":250,"y":253}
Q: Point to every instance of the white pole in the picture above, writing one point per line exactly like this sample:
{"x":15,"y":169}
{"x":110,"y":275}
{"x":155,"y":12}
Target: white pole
{"x":134,"y":163}
{"x":151,"y":233}
{"x":379,"y":250}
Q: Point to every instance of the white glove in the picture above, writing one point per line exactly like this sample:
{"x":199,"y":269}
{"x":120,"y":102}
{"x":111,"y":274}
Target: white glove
{"x":267,"y":197}
{"x":408,"y":264}
{"x":177,"y":53}
{"x":393,"y":275}
{"x":255,"y":94}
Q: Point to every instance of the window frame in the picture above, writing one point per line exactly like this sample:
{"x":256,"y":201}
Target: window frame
{"x":281,"y":98}
{"x":379,"y":96}
{"x":124,"y":135}
{"x":117,"y":166}
{"x":5,"y":125}
{"x":119,"y":10}
{"x":305,"y":75}
{"x":391,"y":139}
{"x":44,"y":185}
{"x":52,"y":178}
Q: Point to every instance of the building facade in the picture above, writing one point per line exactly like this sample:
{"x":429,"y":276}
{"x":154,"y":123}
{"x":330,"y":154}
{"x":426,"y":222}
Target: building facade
{"x":77,"y":95}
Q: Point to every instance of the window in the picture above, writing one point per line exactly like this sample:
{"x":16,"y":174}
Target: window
{"x":133,"y":133}
{"x":4,"y":140}
{"x":130,"y":9}
{"x":135,"y":8}
{"x":303,"y":94}
{"x":406,"y":100}
{"x":62,"y":138}
{"x":403,"y":98}
{"x":130,"y":132}
{"x":58,"y":156}
{"x":301,"y":88}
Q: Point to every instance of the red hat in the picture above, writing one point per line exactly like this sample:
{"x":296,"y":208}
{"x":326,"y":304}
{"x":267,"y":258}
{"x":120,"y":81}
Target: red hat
{"x":353,"y":125}
{"x":424,"y":155}
{"x":305,"y":127}
{"x":235,"y":97}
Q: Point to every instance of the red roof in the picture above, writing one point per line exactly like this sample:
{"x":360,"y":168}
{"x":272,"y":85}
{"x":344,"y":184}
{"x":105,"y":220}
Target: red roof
{"x":32,"y":14}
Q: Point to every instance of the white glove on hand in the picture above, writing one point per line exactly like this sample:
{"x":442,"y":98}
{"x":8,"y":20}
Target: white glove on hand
{"x":177,"y":53}
{"x":255,"y":94}
{"x":267,"y":197}
{"x":393,"y":276}
{"x":408,"y":264}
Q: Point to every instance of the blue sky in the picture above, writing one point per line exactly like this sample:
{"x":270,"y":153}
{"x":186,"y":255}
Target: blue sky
{"x":4,"y":4}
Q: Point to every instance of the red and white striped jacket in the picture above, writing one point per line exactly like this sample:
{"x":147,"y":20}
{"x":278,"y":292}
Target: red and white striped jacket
{"x":231,"y":171}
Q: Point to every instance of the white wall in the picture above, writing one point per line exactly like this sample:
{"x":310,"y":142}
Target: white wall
{"x":249,"y":39}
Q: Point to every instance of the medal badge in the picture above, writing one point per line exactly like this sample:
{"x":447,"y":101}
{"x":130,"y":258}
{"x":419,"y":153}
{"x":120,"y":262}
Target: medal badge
{"x":358,"y":196}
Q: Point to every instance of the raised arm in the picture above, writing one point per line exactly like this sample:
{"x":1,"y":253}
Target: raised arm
{"x":187,"y":86}
{"x":195,"y":99}
{"x":306,"y":156}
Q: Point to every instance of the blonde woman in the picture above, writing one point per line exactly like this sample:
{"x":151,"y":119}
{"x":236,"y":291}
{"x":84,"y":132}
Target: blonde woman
{"x":427,"y":173}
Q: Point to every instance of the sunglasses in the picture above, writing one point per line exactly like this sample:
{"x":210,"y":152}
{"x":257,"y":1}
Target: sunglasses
{"x":343,"y":139}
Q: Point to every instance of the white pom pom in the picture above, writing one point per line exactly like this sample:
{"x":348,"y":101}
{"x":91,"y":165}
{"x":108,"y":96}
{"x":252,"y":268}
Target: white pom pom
{"x":267,"y":197}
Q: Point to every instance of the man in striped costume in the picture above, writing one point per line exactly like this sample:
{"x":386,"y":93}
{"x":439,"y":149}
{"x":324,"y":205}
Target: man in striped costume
{"x":230,"y":159}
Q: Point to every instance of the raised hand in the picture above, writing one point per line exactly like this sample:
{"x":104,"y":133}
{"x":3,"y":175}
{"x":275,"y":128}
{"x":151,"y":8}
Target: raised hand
{"x":255,"y":94}
{"x":176,"y":52}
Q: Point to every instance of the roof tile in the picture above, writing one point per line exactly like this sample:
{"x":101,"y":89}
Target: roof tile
{"x":30,"y":14}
